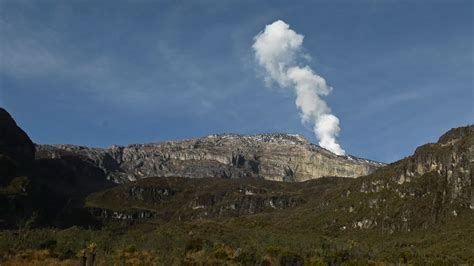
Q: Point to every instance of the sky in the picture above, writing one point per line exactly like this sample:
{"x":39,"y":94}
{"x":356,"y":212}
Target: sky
{"x":98,"y":73}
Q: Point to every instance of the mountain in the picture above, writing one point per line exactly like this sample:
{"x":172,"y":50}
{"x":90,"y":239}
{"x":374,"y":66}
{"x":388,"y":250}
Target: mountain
{"x":48,"y":184}
{"x":279,"y":157}
{"x":48,"y":191}
{"x":418,"y":210}
{"x":415,"y":192}
{"x":433,"y":185}
{"x":17,"y":152}
{"x":16,"y":161}
{"x":219,"y":200}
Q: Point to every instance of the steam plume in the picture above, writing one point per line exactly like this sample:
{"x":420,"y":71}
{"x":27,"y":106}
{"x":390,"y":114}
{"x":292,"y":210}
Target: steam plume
{"x":278,"y":50}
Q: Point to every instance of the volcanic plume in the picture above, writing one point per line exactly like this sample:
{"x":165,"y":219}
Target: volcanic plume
{"x":279,"y":51}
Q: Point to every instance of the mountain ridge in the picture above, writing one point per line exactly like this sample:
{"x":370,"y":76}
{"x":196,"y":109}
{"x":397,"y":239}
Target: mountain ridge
{"x":418,"y":210}
{"x":437,"y":176}
{"x":219,"y":155}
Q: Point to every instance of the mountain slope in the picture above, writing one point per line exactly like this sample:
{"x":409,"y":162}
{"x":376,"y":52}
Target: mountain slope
{"x":424,"y":189}
{"x":41,"y":192}
{"x":16,"y":149}
{"x":419,"y":210}
{"x":419,"y":191}
{"x":175,"y":198}
{"x":279,"y":157}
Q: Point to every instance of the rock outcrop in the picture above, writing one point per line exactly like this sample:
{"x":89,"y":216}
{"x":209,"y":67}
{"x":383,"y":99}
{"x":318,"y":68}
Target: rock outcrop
{"x":16,"y":161}
{"x":48,"y":191}
{"x":177,"y":198}
{"x":17,"y":152}
{"x":279,"y":157}
{"x":431,"y":186}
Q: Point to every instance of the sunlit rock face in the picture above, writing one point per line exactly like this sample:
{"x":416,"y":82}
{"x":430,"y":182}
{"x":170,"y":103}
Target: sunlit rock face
{"x":431,"y":186}
{"x":279,"y":157}
{"x":451,"y":159}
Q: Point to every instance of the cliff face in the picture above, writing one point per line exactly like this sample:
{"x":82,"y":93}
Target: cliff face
{"x":279,"y":157}
{"x":179,"y":198}
{"x":433,"y":185}
{"x":451,"y":158}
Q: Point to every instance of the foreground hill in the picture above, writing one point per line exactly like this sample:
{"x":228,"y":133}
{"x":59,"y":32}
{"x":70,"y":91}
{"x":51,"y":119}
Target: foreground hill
{"x":46,"y":192}
{"x":175,"y":198}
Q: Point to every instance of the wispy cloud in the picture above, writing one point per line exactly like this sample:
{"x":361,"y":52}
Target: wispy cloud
{"x":389,"y":101}
{"x":169,"y":79}
{"x":42,"y":54}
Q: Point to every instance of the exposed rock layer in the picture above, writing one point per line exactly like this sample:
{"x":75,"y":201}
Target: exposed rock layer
{"x":431,"y":186}
{"x":189,"y":199}
{"x":279,"y":157}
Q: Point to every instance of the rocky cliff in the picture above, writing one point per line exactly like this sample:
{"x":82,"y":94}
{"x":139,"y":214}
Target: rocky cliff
{"x":179,"y":198}
{"x":432,"y":186}
{"x":279,"y":157}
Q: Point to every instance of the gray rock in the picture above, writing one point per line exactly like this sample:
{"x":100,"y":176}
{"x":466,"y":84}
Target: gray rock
{"x":279,"y":157}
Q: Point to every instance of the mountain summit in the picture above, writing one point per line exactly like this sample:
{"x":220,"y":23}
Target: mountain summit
{"x":278,"y":157}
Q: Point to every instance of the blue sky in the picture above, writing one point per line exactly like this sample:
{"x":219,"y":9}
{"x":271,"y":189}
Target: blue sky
{"x":121,"y":72}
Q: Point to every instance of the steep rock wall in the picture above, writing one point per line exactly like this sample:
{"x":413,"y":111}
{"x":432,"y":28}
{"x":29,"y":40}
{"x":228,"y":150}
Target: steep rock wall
{"x":279,"y":157}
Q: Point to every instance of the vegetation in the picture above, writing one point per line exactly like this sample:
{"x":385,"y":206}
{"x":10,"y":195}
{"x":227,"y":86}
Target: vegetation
{"x":266,"y":238}
{"x":415,"y":211}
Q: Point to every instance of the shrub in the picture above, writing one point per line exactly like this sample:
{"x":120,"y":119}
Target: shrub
{"x":291,"y":259}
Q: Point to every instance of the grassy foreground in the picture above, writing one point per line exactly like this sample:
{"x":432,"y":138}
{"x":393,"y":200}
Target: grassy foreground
{"x":262,"y":239}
